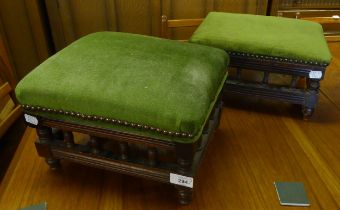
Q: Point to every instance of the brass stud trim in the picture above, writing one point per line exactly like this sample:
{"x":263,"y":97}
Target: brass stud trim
{"x":107,"y":120}
{"x":266,"y":57}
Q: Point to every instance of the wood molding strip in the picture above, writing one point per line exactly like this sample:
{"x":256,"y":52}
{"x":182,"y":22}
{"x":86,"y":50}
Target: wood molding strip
{"x":7,"y":122}
{"x":333,"y":38}
{"x":5,"y":89}
{"x":278,"y":93}
{"x":322,"y":20}
{"x":113,"y":165}
{"x":108,"y":133}
{"x":184,"y":22}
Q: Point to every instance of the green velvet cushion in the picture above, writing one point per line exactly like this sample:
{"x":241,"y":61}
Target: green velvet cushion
{"x":264,"y":35}
{"x":138,"y":79}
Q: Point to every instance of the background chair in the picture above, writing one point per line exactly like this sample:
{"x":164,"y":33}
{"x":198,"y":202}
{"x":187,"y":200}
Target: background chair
{"x":333,"y":22}
{"x":9,"y":110}
{"x":177,"y":23}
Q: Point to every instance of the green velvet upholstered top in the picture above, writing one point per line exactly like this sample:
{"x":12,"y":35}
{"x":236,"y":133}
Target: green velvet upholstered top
{"x":264,"y":35}
{"x":130,"y":78}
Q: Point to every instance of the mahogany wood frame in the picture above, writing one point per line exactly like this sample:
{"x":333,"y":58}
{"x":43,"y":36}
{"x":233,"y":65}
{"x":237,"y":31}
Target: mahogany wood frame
{"x":56,"y":142}
{"x":307,"y":96}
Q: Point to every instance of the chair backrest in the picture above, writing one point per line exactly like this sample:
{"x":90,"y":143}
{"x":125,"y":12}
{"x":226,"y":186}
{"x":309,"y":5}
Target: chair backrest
{"x":177,"y":23}
{"x":9,"y":111}
{"x":6,"y":70}
{"x":334,"y":21}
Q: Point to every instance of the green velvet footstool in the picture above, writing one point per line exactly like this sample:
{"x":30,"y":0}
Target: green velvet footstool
{"x":148,"y":105}
{"x":272,"y":45}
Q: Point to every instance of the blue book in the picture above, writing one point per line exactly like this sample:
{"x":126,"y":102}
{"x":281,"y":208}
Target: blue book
{"x":291,"y":193}
{"x":41,"y":206}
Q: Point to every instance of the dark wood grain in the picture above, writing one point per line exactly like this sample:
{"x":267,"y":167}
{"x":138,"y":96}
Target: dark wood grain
{"x":88,"y":16}
{"x":299,"y":70}
{"x":139,"y":160}
{"x":7,"y":73}
{"x":307,"y":95}
{"x":72,"y":19}
{"x":24,"y":29}
{"x":36,"y":15}
{"x":258,"y":142}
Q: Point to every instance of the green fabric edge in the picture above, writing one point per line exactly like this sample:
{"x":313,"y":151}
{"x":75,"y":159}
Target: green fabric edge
{"x":203,"y":41}
{"x":135,"y":131}
{"x":34,"y":89}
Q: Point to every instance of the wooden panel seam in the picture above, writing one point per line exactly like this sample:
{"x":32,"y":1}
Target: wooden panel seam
{"x":65,"y":14}
{"x":155,"y":9}
{"x":6,"y":60}
{"x":29,"y":20}
{"x":210,"y":6}
{"x":39,"y":35}
{"x":5,"y":89}
{"x":57,"y":30}
{"x":111,"y":15}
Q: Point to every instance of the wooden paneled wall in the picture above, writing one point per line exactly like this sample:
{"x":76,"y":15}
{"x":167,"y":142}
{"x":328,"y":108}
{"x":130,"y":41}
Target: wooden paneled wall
{"x":177,"y":9}
{"x":35,"y":29}
{"x":9,"y":111}
{"x":25,"y":33}
{"x":71,"y":19}
{"x":6,"y":70}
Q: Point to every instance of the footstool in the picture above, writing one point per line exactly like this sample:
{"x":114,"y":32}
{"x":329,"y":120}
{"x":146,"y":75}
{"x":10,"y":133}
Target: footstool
{"x":148,"y":105}
{"x":284,"y":46}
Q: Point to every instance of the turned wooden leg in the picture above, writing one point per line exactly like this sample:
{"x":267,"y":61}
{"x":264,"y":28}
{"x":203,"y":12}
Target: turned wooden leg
{"x":94,"y":145}
{"x":220,"y":107}
{"x":307,"y":112}
{"x":53,"y":163}
{"x":69,"y":139}
{"x":152,"y":156}
{"x":311,"y":98}
{"x":123,"y":148}
{"x":185,"y":154}
{"x":44,"y":134}
{"x":43,"y":146}
{"x":184,"y":195}
{"x":57,"y":134}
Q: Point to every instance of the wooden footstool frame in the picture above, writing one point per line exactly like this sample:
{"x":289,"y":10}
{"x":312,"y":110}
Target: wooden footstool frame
{"x":311,"y":72}
{"x":156,"y":159}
